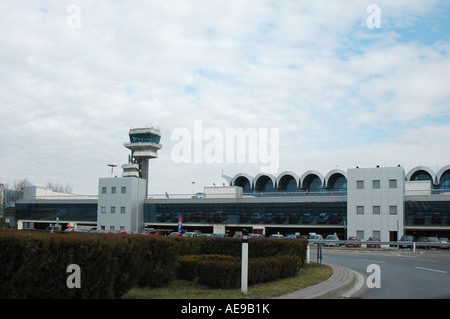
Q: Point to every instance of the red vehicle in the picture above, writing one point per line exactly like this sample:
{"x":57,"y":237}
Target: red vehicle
{"x":355,"y":242}
{"x":373,"y":238}
{"x":175,"y":233}
{"x":150,"y":232}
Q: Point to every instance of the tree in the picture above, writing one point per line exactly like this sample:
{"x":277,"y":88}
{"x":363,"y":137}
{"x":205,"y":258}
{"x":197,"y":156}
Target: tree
{"x":60,"y":188}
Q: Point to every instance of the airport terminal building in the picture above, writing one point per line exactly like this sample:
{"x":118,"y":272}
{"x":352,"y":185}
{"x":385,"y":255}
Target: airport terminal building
{"x":377,"y":201}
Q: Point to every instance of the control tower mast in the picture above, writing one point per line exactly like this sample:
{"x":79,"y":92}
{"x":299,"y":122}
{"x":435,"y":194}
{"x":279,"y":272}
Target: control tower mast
{"x":144,"y":145}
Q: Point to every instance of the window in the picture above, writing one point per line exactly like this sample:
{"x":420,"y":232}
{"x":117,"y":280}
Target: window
{"x":376,"y":210}
{"x":113,"y":210}
{"x":123,"y":190}
{"x":360,"y":233}
{"x":376,"y":184}
{"x":122,"y":210}
{"x":359,"y":184}
{"x":112,"y":227}
{"x":113,"y":190}
{"x":377,"y":233}
{"x":122,"y":227}
{"x":103,"y":210}
{"x":103,"y":190}
{"x":359,"y":210}
{"x":392,"y":183}
{"x":392,"y":210}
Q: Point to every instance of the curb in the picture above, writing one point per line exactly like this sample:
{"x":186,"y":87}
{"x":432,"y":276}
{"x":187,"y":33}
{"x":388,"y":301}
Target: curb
{"x":343,"y":283}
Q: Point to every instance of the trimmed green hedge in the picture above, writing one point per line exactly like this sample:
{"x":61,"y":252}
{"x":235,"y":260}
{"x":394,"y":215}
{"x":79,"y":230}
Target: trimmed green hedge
{"x":34,"y":264}
{"x":258,"y":247}
{"x":219,"y":271}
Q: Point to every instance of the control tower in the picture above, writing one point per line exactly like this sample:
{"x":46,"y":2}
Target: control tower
{"x":144,"y":145}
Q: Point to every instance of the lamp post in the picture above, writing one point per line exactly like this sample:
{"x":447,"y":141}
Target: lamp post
{"x":244,"y":268}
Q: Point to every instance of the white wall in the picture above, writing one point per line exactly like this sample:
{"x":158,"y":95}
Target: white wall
{"x":132,"y":201}
{"x":368,"y":197}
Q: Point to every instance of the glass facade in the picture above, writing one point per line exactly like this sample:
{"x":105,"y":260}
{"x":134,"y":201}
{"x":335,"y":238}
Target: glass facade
{"x":334,"y":213}
{"x":145,"y":138}
{"x":427,"y":213}
{"x":64,"y":211}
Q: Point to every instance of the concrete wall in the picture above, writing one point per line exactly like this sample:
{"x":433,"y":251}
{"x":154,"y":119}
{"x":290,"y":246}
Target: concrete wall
{"x":375,"y":198}
{"x":122,"y":209}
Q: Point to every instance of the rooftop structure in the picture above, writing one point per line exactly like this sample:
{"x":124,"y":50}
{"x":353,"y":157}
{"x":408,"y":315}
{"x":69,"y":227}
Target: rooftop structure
{"x":144,"y":145}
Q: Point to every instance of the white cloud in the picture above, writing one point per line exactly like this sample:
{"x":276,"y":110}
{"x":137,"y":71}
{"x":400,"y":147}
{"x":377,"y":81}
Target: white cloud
{"x":339,"y":92}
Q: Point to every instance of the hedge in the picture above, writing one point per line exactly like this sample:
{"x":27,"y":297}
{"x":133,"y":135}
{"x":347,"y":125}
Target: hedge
{"x":258,"y":247}
{"x":224,"y":272}
{"x":34,"y":264}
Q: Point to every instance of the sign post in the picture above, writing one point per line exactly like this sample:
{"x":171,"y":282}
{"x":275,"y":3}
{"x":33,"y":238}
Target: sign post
{"x":244,"y":268}
{"x":180,"y":224}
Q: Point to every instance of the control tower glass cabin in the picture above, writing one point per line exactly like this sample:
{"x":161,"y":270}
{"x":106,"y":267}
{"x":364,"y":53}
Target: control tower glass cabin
{"x":144,"y":145}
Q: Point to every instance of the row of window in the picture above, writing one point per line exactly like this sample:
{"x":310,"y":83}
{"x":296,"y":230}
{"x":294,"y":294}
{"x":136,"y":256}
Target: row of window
{"x":113,"y":210}
{"x":376,"y":210}
{"x":123,"y":190}
{"x":375,"y":233}
{"x":376,"y":184}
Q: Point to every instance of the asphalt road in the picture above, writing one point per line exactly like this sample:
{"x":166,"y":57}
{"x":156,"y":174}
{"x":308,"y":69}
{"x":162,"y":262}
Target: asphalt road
{"x":394,"y":273}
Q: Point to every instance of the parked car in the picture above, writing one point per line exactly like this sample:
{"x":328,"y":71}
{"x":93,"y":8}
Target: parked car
{"x":406,"y":238}
{"x":355,"y":242}
{"x":335,"y":218}
{"x":293,"y":218}
{"x":421,"y":242}
{"x":315,"y":239}
{"x":244,"y":217}
{"x":150,"y":232}
{"x":444,"y":241}
{"x":53,"y":228}
{"x":190,"y":234}
{"x":269,"y":217}
{"x":306,"y":218}
{"x":433,"y":243}
{"x":175,"y":233}
{"x":255,"y":236}
{"x":332,"y":241}
{"x":276,"y":236}
{"x":373,"y":239}
{"x":323,"y":218}
{"x":280,"y":218}
{"x":256,"y":218}
{"x":199,"y":195}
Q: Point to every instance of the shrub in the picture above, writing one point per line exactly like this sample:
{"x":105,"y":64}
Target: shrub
{"x":34,"y":264}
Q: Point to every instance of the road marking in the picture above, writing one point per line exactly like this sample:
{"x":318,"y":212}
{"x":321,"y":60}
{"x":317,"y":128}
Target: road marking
{"x":441,"y":271}
{"x":373,"y":261}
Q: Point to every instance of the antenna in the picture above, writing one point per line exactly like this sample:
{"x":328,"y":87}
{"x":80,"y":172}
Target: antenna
{"x":112,"y":167}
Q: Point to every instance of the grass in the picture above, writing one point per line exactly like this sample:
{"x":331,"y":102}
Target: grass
{"x":309,"y":275}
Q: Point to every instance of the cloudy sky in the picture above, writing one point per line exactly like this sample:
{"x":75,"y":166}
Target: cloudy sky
{"x":324,"y":84}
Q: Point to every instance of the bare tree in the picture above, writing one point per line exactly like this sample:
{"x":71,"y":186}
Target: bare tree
{"x":58,"y":187}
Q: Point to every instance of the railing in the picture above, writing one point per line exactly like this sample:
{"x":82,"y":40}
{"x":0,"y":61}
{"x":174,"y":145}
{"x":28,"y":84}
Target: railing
{"x":249,"y":195}
{"x":401,"y":244}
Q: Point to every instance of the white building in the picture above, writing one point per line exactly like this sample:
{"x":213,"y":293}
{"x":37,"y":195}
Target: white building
{"x":121,"y":203}
{"x":375,"y":202}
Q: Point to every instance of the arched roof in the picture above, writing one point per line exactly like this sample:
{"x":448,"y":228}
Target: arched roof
{"x":287,"y":174}
{"x":425,"y":169}
{"x":244,"y":175}
{"x":441,"y":172}
{"x":331,"y":174}
{"x":309,"y":173}
{"x":258,"y":178}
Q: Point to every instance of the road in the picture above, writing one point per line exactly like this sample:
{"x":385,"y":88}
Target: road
{"x":424,"y":274}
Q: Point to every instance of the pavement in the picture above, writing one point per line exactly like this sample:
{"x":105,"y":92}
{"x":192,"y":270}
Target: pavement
{"x":343,"y":283}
